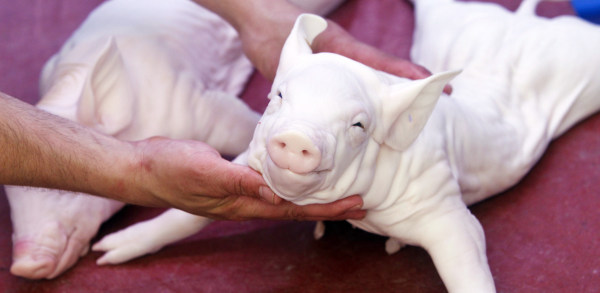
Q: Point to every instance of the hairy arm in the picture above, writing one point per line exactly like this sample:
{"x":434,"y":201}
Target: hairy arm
{"x":263,"y":26}
{"x":43,"y":150}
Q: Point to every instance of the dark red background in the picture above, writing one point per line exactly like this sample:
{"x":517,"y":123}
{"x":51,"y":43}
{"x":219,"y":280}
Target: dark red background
{"x":542,"y":235}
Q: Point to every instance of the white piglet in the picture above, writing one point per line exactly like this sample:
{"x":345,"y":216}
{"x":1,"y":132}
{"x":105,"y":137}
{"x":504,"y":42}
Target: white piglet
{"x":134,"y":69}
{"x":335,"y":127}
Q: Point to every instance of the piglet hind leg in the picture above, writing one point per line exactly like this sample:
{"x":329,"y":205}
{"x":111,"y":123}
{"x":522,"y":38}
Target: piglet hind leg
{"x":227,"y":123}
{"x":52,"y":228}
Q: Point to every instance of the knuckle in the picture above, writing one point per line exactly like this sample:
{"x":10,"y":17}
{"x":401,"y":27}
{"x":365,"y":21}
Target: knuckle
{"x":222,"y":209}
{"x":233,"y":209}
{"x":239,"y":186}
{"x":296,"y":213}
{"x":236,"y":185}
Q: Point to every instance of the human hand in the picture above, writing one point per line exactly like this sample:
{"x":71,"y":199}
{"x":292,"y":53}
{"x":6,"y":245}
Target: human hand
{"x":263,"y":38}
{"x":192,"y":176}
{"x":336,"y":39}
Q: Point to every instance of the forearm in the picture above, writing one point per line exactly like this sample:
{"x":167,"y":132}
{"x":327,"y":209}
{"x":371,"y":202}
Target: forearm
{"x":43,"y":150}
{"x":250,"y":15}
{"x":263,"y":26}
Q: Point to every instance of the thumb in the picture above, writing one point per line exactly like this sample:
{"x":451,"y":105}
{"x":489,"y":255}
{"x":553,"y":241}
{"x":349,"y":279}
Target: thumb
{"x":242,"y":180}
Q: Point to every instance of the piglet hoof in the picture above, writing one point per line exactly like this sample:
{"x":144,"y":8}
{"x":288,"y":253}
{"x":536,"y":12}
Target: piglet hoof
{"x":52,"y":229}
{"x":319,"y":230}
{"x":48,"y":253}
{"x":392,"y":246}
{"x":127,"y":244}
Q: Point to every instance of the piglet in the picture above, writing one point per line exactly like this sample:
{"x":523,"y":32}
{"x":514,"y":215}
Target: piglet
{"x":134,"y":69}
{"x":335,"y":127}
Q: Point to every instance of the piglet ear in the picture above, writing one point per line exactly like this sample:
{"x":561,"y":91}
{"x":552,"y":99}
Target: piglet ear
{"x":407,"y":107}
{"x":108,"y":100}
{"x":306,"y":28}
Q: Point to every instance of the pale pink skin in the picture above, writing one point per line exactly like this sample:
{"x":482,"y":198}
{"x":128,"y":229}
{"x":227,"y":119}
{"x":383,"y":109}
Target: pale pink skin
{"x":419,"y":159}
{"x":191,"y":90}
{"x":510,"y":101}
{"x":52,"y":229}
{"x":187,"y":87}
{"x":415,"y":172}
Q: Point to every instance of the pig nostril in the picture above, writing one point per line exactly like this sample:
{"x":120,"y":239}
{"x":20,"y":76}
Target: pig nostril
{"x":294,"y":151}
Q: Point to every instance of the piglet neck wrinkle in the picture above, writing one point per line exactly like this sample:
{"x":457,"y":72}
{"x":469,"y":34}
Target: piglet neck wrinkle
{"x":384,"y":175}
{"x":359,"y":177}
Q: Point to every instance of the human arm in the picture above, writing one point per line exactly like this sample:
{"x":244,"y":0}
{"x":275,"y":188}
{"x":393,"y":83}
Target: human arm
{"x":43,"y":150}
{"x":264,"y":25}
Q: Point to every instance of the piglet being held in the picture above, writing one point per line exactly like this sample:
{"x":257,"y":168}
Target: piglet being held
{"x":335,"y":127}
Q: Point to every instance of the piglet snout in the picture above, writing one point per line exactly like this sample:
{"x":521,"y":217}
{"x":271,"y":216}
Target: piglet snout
{"x":295,"y":151}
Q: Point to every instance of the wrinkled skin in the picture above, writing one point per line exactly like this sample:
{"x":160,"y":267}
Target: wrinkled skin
{"x":102,"y":79}
{"x":416,"y":156}
{"x":416,"y":160}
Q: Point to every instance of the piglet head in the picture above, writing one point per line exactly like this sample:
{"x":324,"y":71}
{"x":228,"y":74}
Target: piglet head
{"x":328,"y":116}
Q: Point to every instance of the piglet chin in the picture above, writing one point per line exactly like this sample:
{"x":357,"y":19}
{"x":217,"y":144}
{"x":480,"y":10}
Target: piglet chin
{"x":291,"y":186}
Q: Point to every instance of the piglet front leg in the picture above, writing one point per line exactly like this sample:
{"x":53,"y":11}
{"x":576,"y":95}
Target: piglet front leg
{"x":455,"y":241}
{"x":53,"y":228}
{"x":148,"y":236}
{"x":319,"y":231}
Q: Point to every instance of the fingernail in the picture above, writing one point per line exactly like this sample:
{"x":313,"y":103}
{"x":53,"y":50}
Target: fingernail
{"x":355,"y":208}
{"x":267,"y":194}
{"x":276,"y":199}
{"x":448,"y":89}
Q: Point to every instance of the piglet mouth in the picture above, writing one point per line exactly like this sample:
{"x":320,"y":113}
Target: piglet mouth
{"x":298,"y":159}
{"x":290,"y":185}
{"x":292,"y":172}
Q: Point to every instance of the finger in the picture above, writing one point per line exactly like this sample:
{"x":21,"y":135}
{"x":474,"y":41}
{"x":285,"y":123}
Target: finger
{"x":338,"y":210}
{"x":236,"y":179}
{"x":336,"y":40}
{"x":448,"y":89}
{"x":249,"y":208}
{"x":405,"y":68}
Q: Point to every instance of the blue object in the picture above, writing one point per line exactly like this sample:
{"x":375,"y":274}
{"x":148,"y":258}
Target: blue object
{"x":587,"y":9}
